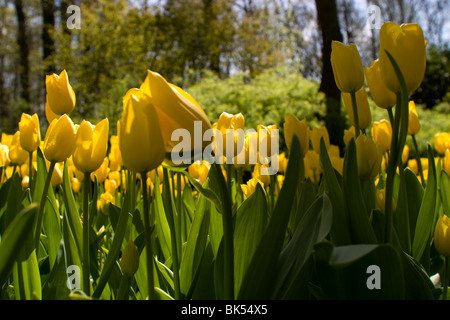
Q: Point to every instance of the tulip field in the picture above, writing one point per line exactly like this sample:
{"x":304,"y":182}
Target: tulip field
{"x":88,"y":213}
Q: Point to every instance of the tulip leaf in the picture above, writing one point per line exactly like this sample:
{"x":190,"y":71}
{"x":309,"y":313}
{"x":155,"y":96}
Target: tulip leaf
{"x":415,"y":195}
{"x":265,"y":259}
{"x":293,"y":265}
{"x":401,"y":216}
{"x":360,"y":227}
{"x":427,"y":214}
{"x":27,"y":280}
{"x":71,"y":209}
{"x":445,"y":191}
{"x":12,"y":240}
{"x":195,"y":246}
{"x":161,"y":224}
{"x":251,"y":221}
{"x":340,"y":232}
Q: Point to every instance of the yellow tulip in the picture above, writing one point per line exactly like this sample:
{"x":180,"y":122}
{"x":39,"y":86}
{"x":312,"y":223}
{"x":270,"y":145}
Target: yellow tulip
{"x":102,"y":171}
{"x":347,"y":66}
{"x":248,"y":153}
{"x":381,"y":200}
{"x":174,"y":108}
{"x":4,"y":155}
{"x":30,"y":133}
{"x":381,"y":95}
{"x":316,"y":135}
{"x":349,"y":134}
{"x":115,"y":157}
{"x":446,"y":164}
{"x":413,"y":122}
{"x":105,"y":199}
{"x":264,"y":178}
{"x":17,"y":154}
{"x":312,"y":166}
{"x":362,"y":103}
{"x":406,"y":44}
{"x":57,"y":177}
{"x":282,"y":163}
{"x":442,"y":236}
{"x":298,"y":127}
{"x":250,"y":187}
{"x":382,"y":134}
{"x":368,"y":155}
{"x":110,"y":186}
{"x":129,"y":263}
{"x":140,"y":139}
{"x":265,"y":136}
{"x":59,"y":141}
{"x":442,"y":142}
{"x":60,"y":95}
{"x":226,"y":122}
{"x":76,"y":184}
{"x":199,"y":170}
{"x":91,"y":145}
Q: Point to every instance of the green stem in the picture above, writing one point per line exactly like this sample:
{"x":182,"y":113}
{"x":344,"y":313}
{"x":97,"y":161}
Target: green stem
{"x":86,"y":263}
{"x":391,"y":170}
{"x":355,"y":113}
{"x":227,"y":222}
{"x":124,"y":288}
{"x":30,"y":171}
{"x":445,"y":282}
{"x":391,"y":115}
{"x":148,"y":239}
{"x":37,"y":231}
{"x":419,"y":163}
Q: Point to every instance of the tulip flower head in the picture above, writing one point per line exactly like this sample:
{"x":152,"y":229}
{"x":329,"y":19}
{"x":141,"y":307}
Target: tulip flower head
{"x":250,"y":187}
{"x":347,"y":66}
{"x":59,"y":141}
{"x":91,"y":145}
{"x":60,"y":95}
{"x":381,"y":95}
{"x":17,"y":154}
{"x":362,"y":103}
{"x":442,"y":142}
{"x":413,"y":122}
{"x":4,"y":155}
{"x":298,"y":127}
{"x":140,"y":138}
{"x":316,"y":135}
{"x":406,"y":44}
{"x":382,"y":134}
{"x":368,"y":157}
{"x":442,"y":236}
{"x":30,"y":133}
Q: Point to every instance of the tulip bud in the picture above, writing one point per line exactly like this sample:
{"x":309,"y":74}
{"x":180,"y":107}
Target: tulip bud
{"x":140,"y":139}
{"x":199,"y":170}
{"x":316,"y":135}
{"x":362,"y":103}
{"x":300,"y":128}
{"x":406,"y":44}
{"x":30,"y":133}
{"x":368,"y":155}
{"x":57,"y":177}
{"x":446,"y":164}
{"x":250,"y":187}
{"x":4,"y":155}
{"x":17,"y":155}
{"x":442,"y":236}
{"x":225,"y":124}
{"x":129,"y":263}
{"x":381,"y":95}
{"x":442,"y":142}
{"x":264,"y":178}
{"x":175,"y":109}
{"x":349,"y":134}
{"x":413,"y":122}
{"x":312,"y":166}
{"x":60,"y":95}
{"x":265,"y":136}
{"x":90,"y":145}
{"x":102,"y":171}
{"x":347,"y":66}
{"x":382,"y":134}
{"x":59,"y":141}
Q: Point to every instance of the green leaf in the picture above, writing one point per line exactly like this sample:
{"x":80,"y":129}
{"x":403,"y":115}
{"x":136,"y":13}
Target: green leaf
{"x":161,"y":225}
{"x":294,"y":273}
{"x":427,"y":213}
{"x":445,"y":191}
{"x":251,"y":221}
{"x":12,"y":240}
{"x":401,"y":216}
{"x":195,"y":246}
{"x":71,"y":209}
{"x":340,"y":231}
{"x":360,"y":227}
{"x":261,"y":273}
{"x":415,"y":195}
{"x":27,"y":280}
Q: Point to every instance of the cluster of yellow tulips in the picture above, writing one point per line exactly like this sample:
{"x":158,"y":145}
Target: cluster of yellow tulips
{"x":144,"y":141}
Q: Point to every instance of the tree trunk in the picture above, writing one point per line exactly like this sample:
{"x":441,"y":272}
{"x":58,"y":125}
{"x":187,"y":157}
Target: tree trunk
{"x":48,"y":43}
{"x":22,"y":41}
{"x":329,"y":25}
